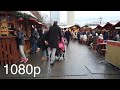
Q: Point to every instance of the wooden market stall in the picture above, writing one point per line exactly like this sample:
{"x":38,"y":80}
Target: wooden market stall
{"x":113,"y":47}
{"x":9,"y":22}
{"x":106,"y":28}
{"x":98,"y":27}
{"x":9,"y":52}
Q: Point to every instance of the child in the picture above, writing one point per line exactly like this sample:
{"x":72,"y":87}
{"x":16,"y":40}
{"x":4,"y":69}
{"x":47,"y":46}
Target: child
{"x":61,"y":49}
{"x":20,"y":40}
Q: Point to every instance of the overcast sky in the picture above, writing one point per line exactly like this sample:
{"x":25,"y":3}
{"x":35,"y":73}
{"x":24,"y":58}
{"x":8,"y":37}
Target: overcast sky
{"x":83,"y":17}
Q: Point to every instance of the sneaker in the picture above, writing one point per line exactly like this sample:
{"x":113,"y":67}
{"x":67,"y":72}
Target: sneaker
{"x":61,"y":58}
{"x":52,"y":64}
{"x":25,"y":60}
{"x":22,"y":60}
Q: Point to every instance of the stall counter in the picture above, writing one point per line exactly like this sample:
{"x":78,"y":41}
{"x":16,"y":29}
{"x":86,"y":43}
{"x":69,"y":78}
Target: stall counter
{"x":113,"y":52}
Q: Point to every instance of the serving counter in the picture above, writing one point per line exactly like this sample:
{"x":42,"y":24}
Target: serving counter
{"x":113,"y":52}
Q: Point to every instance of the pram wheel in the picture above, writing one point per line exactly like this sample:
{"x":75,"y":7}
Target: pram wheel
{"x":50,"y":55}
{"x":63,"y":57}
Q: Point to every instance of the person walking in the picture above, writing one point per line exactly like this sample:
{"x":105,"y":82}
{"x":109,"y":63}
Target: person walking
{"x":44,"y":45}
{"x":34,"y":40}
{"x":67,"y":36}
{"x":20,"y":41}
{"x":54,"y":36}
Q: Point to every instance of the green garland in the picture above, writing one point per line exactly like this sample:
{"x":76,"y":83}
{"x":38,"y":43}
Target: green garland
{"x":23,"y":15}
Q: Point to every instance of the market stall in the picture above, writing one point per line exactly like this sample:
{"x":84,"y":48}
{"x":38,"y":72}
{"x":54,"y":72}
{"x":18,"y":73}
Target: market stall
{"x":113,"y":47}
{"x":9,"y":22}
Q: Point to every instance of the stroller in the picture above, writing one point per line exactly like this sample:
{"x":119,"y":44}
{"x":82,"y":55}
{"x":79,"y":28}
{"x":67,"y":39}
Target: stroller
{"x":61,"y":49}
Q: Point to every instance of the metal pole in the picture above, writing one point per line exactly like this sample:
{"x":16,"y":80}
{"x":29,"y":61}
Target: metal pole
{"x":50,"y":17}
{"x":100,"y":20}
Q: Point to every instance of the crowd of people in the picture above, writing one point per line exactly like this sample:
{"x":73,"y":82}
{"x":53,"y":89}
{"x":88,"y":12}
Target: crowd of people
{"x":52,"y":41}
{"x":94,"y":38}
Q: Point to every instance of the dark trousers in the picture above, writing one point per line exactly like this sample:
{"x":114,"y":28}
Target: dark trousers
{"x":33,"y":47}
{"x":67,"y":40}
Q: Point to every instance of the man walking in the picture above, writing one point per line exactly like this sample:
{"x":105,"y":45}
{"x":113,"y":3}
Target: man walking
{"x":54,"y":36}
{"x":34,"y":40}
{"x":67,"y":36}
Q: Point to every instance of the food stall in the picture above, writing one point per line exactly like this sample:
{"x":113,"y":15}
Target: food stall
{"x":113,"y":49}
{"x":9,"y":22}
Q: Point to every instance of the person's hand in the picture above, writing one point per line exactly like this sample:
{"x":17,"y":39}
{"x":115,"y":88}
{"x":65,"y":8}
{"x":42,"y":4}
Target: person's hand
{"x":46,"y":43}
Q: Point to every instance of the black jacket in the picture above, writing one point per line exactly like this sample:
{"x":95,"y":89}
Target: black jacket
{"x":44,"y":37}
{"x":67,"y":34}
{"x":20,"y":38}
{"x":34,"y":37}
{"x":54,"y":36}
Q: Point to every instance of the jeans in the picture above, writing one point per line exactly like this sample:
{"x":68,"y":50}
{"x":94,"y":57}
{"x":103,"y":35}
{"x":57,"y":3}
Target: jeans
{"x":21,"y":48}
{"x":52,"y":52}
{"x":45,"y":52}
{"x":33,"y":47}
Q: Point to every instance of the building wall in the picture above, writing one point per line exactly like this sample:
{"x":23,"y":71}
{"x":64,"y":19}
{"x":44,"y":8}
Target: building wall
{"x":55,"y":16}
{"x":70,"y":18}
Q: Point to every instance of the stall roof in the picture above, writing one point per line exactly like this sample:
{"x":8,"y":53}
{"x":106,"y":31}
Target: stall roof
{"x":66,"y":26}
{"x":108,"y":25}
{"x":28,"y":12}
{"x":114,"y":22}
{"x":98,"y":27}
{"x":116,"y":26}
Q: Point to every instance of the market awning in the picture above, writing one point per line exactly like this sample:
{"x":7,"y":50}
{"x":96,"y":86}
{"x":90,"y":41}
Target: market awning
{"x":32,"y":19}
{"x":40,"y":23}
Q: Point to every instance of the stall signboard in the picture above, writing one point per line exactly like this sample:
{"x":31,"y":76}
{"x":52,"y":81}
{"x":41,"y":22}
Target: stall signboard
{"x":4,"y":27}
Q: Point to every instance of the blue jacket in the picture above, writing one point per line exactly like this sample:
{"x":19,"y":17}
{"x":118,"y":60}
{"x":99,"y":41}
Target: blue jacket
{"x":20,"y":38}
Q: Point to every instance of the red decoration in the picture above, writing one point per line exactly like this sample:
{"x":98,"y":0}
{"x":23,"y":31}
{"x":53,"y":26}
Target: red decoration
{"x":32,"y":19}
{"x":20,"y":19}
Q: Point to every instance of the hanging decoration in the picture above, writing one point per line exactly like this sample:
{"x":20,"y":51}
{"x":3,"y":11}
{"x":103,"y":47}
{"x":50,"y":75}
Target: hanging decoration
{"x":23,"y":16}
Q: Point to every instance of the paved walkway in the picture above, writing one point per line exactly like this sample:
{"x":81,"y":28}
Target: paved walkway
{"x":80,"y":63}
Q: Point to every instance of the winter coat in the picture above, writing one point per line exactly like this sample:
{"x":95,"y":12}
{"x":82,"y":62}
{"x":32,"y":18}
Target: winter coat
{"x":44,"y":37}
{"x":67,"y":34}
{"x":54,"y":33}
{"x":34,"y":37}
{"x":20,"y":38}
